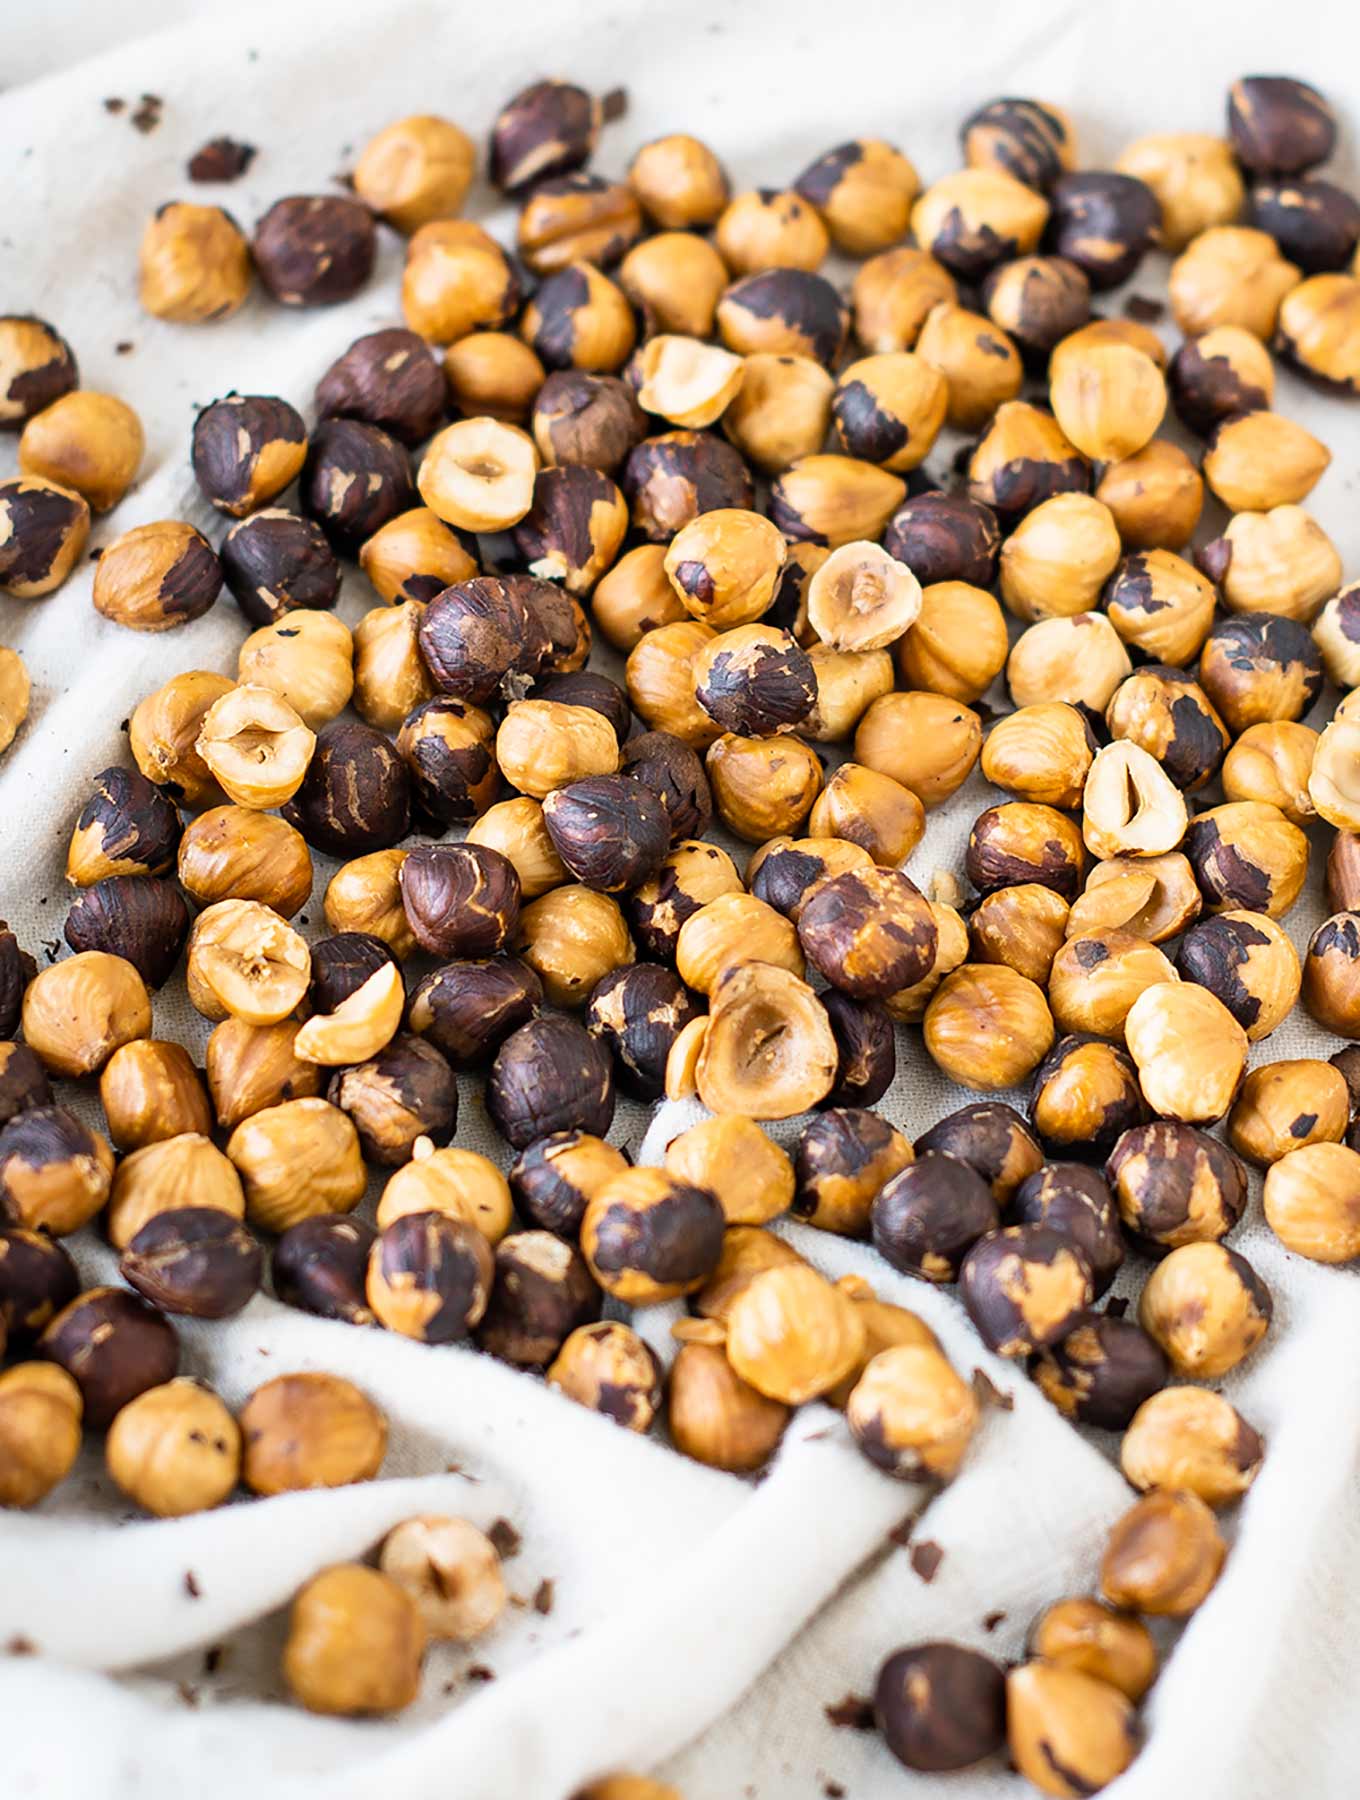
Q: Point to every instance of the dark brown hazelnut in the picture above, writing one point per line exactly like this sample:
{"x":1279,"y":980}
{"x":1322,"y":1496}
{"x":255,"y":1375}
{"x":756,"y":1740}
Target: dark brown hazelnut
{"x":356,"y":796}
{"x":37,"y":366}
{"x":429,"y":1277}
{"x":1027,"y":139}
{"x":194,"y":1260}
{"x":575,"y":527}
{"x":548,"y":129}
{"x":114,"y":1346}
{"x":555,"y":1178}
{"x":23,"y":1081}
{"x":128,"y":826}
{"x":867,"y":1043}
{"x":550,"y":1075}
{"x":945,"y":537}
{"x":611,"y":1370}
{"x":1038,"y":301}
{"x":157,"y":577}
{"x":675,"y":774}
{"x":320,"y":1264}
{"x":755,"y":680}
{"x":1247,"y":854}
{"x":541,"y":1293}
{"x":1024,"y":1288}
{"x":355,"y":479}
{"x":993,"y":1140}
{"x":1315,"y":223}
{"x":1085,"y":1096}
{"x":577,"y":217}
{"x":389,"y":379}
{"x":1347,"y":1060}
{"x":612,"y":833}
{"x":1258,"y":668}
{"x":844,"y":1158}
{"x":448,"y":747}
{"x":928,"y":1217}
{"x":1021,"y":841}
{"x":468,"y":1009}
{"x":585,"y":687}
{"x":1166,"y":712}
{"x":479,"y":637}
{"x":1176,"y":1185}
{"x":1248,"y":963}
{"x":888,"y":410}
{"x":1075,"y":1201}
{"x":55,"y":1171}
{"x":638,"y":1012}
{"x":1104,"y":223}
{"x":670,"y":480}
{"x":940,"y":1706}
{"x":784,"y":312}
{"x":1221,"y":373}
{"x":246,"y":450}
{"x":275,"y":561}
{"x":1023,"y":459}
{"x":693,"y":874}
{"x":648,"y":1236}
{"x":45,"y":530}
{"x":1279,"y":126}
{"x":870,"y":932}
{"x":17,"y":969}
{"x":407,"y":1091}
{"x":136,"y":917}
{"x":1101,"y":1372}
{"x":315,"y":250}
{"x":37,"y":1279}
{"x":460,"y":899}
{"x":593,"y":420}
{"x":579,"y":319}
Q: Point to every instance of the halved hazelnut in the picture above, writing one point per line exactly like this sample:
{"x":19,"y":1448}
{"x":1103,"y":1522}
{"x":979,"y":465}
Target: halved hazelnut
{"x":256,"y":746}
{"x":682,"y":1060}
{"x":478,"y":475}
{"x":862,"y":599}
{"x":359,"y":1027}
{"x":1131,"y":804}
{"x":769,"y":1050}
{"x":246,"y":962}
{"x":688,"y":382}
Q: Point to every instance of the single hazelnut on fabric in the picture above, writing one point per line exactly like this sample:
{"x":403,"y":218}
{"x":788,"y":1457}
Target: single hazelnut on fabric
{"x":1085,"y":1092}
{"x":1028,"y":139}
{"x":246,"y":450}
{"x":1207,"y":1308}
{"x":911,"y":1413}
{"x":114,"y":1346}
{"x":492,"y":374}
{"x":845,"y":1157}
{"x":199,"y":1261}
{"x":1195,"y":178}
{"x":976,"y":218}
{"x":717,"y":1418}
{"x":355,"y":797}
{"x":609,"y":1369}
{"x":1175,"y":1185}
{"x":460,"y":899}
{"x":1068,"y":1732}
{"x":1258,"y":668}
{"x":355,"y":1643}
{"x":1230,"y":275}
{"x":319,"y":1267}
{"x":579,"y":319}
{"x":1312,"y":1202}
{"x":247,"y":962}
{"x":893,"y":294}
{"x":1024,"y":1288}
{"x":1086,"y":1635}
{"x":639,"y":1011}
{"x":175,"y":1450}
{"x":1023,"y":458}
{"x":55,"y":1171}
{"x":1076,"y":1202}
{"x":315,"y":250}
{"x":415,"y":170}
{"x":1191,"y":1439}
{"x":37,"y":366}
{"x":679,"y":182}
{"x":693,"y":874}
{"x":862,"y":599}
{"x":1109,"y":399}
{"x":1155,"y":497}
{"x":940,"y":1706}
{"x":1101,"y":1372}
{"x":40,"y":1419}
{"x":648,"y":1235}
{"x":957,"y":645}
{"x":547,"y":129}
{"x":451,"y":1570}
{"x":1279,"y":126}
{"x":729,"y":930}
{"x":310,"y":1430}
{"x":1284,"y":1106}
{"x":888,"y":409}
{"x":869,"y":932}
{"x":993,"y":1140}
{"x":77,"y":1012}
{"x":550,"y":1075}
{"x":88,"y":443}
{"x":194,"y":264}
{"x":1163,"y":1555}
{"x":324,"y":1143}
{"x":157,"y":577}
{"x":457,"y":279}
{"x":1319,"y":330}
{"x":576,"y":217}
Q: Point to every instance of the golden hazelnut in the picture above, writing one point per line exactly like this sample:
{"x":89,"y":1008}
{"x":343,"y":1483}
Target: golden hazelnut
{"x":251,"y":1067}
{"x":888,"y":409}
{"x":1163,"y":1556}
{"x":1155,"y":897}
{"x":546,"y":744}
{"x":355,"y":1643}
{"x":571,"y":937}
{"x":1022,"y":927}
{"x":1109,"y":399}
{"x":958,"y":644}
{"x":782,"y":410}
{"x":686,"y":381}
{"x":862,"y":599}
{"x":676,"y":279}
{"x":1188,"y":1048}
{"x":457,"y":279}
{"x":716,"y":1417}
{"x":163,"y":734}
{"x":1041,"y":753}
{"x":768,"y":1049}
{"x":87,"y":442}
{"x":1130,"y":804}
{"x":1334,"y":780}
{"x":980,"y":365}
{"x":1271,"y":763}
{"x":244,"y":960}
{"x":679,"y":182}
{"x":14,"y":694}
{"x":1059,"y":557}
{"x":747,"y":1251}
{"x":1259,"y":460}
{"x":1312,"y":1202}
{"x":296,"y":1160}
{"x":908,"y":1006}
{"x":150,"y":1091}
{"x":885,"y":1328}
{"x":835,"y":500}
{"x":893,"y":294}
{"x":1247,"y":853}
{"x":735,"y":1160}
{"x":635,"y":597}
{"x":1165,"y":712}
{"x":977,"y":217}
{"x":1191,"y":1439}
{"x":724,"y":566}
{"x":770,"y":229}
{"x":415,"y":170}
{"x":763,"y":787}
{"x":927,"y":742}
{"x":1230,"y":275}
{"x":40,"y":1414}
{"x":478,"y":474}
{"x":870,"y":810}
{"x":518,"y":830}
{"x":1022,"y":459}
{"x":1207,"y":1308}
{"x":912,"y":1414}
{"x":55,"y":1172}
{"x":1068,"y":1733}
{"x":365,"y":895}
{"x":1088,"y":1636}
{"x":1079,"y":661}
{"x":1155,"y":497}
{"x":987,"y":1026}
{"x":1161,"y":605}
{"x":1320,"y":329}
{"x":791,"y":1335}
{"x":451,"y":1570}
{"x":1020,"y":841}
{"x":731,"y":929}
{"x":240,"y":853}
{"x":864,"y":192}
{"x":1285,"y":1106}
{"x":580,"y":320}
{"x":306,"y":658}
{"x":661,"y":681}
{"x":693,"y":874}
{"x":1280,"y":561}
{"x":76,"y":1013}
{"x":609,"y":1368}
{"x":390,"y":676}
{"x":162,"y":1176}
{"x":256,"y":746}
{"x":310,"y":1430}
{"x":1195,"y":178}
{"x":461,"y":1184}
{"x":490,"y":375}
{"x":157,"y":577}
{"x":174,"y":1450}
{"x":1223,"y":373}
{"x":195,"y":264}
{"x":36,"y":368}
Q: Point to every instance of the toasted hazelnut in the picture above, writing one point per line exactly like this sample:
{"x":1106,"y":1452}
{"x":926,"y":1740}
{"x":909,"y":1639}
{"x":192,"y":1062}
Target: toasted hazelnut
{"x":1246,"y":961}
{"x":609,"y":1368}
{"x":40,"y":1416}
{"x":993,"y":1140}
{"x":1285,"y":1106}
{"x":649,"y":1235}
{"x":23,"y":1084}
{"x":925,"y":741}
{"x":1175,"y":1185}
{"x":1260,"y":667}
{"x":269,"y":1148}
{"x":770,"y":229}
{"x":415,"y":170}
{"x":676,"y":279}
{"x":938,"y":1705}
{"x":156,"y":577}
{"x":1271,"y":763}
{"x":557,"y":1176}
{"x":451,"y":1571}
{"x":1163,"y":1556}
{"x":155,"y":1178}
{"x":1103,"y":222}
{"x":273,"y":562}
{"x":390,"y":677}
{"x":1028,"y":139}
{"x":763,"y":787}
{"x":662,"y":684}
{"x":365,"y":895}
{"x":163,"y":733}
{"x":1207,"y":1308}
{"x":912,"y":1414}
{"x":782,"y":410}
{"x":733,"y":1159}
{"x":256,"y":745}
{"x":1041,"y":753}
{"x":1280,"y":561}
{"x":1102,"y":1371}
{"x":1334,"y":780}
{"x":845,"y":1157}
{"x":126,"y":827}
{"x":305,"y":657}
{"x":1279,"y":125}
{"x":1096,"y":977}
{"x":247,"y":448}
{"x":1247,"y":854}
{"x":1089,"y":1637}
{"x":980,"y":366}
{"x":1021,"y":926}
{"x":551,"y":1075}
{"x":238,"y":853}
{"x":716,"y":1417}
{"x":86,"y":442}
{"x":1021,"y":842}
{"x":679,"y":181}
{"x":571,"y":937}
{"x":1312,"y":1202}
{"x":114,"y":1346}
{"x":1160,"y":605}
{"x":55,"y":1171}
{"x":194,"y":264}
{"x":310,"y":1431}
{"x":724,"y":566}
{"x":460,"y":1184}
{"x":862,"y":599}
{"x":867,"y":1047}
{"x":1194,"y":177}
{"x":1188,"y":1439}
{"x":692,"y":875}
{"x":893,"y":294}
{"x":908,"y":1007}
{"x":314,"y":250}
{"x":870,"y":810}
{"x":244,"y":960}
{"x":888,"y":409}
{"x":579,"y":319}
{"x":1058,"y":558}
{"x":635,"y":597}
{"x":1342,"y":886}
{"x":930,"y":1214}
{"x":1078,"y":660}
{"x":1188,"y":1048}
{"x":76,"y":1013}
{"x":14,"y":695}
{"x":478,"y":475}
{"x":1022,"y":459}
{"x":1109,"y":399}
{"x":870,"y":932}
{"x":1024,"y":1288}
{"x":957,"y":644}
{"x":672,"y":479}
{"x":834,"y":500}
{"x":639,"y":1011}
{"x":355,"y":1643}
{"x":175,"y":1450}
{"x":543,"y":745}
{"x":199,"y":1261}
{"x":492,"y":374}
{"x":1155,"y":897}
{"x":1155,"y":497}
{"x":1068,"y":1732}
{"x":978,"y":217}
{"x":37,"y":367}
{"x":792,"y":1335}
{"x":1170,"y":716}
{"x":987,"y":1027}
{"x":460,"y":899}
{"x":429,"y":1277}
{"x":45,"y":530}
{"x":251,"y":1067}
{"x":1320,"y":329}
{"x":768,"y":1049}
{"x":1230,"y":275}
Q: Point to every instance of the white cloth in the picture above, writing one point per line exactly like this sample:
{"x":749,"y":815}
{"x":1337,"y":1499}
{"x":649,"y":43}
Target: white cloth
{"x":699,"y":1624}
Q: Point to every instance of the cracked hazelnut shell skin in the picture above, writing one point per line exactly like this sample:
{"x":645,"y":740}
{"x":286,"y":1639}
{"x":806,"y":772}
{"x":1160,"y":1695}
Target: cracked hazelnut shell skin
{"x":1075,"y":1200}
{"x":194,"y":1260}
{"x":429,"y":1277}
{"x":114,"y":1346}
{"x":870,"y":932}
{"x":141,"y":920}
{"x":940,"y":1706}
{"x":405,"y":1092}
{"x":638,"y":1012}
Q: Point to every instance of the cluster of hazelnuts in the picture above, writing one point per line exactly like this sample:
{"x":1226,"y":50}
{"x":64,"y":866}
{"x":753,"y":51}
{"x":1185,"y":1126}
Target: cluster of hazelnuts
{"x":587,"y":936}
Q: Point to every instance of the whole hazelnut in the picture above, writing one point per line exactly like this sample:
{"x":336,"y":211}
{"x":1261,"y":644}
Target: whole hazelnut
{"x":1279,"y":126}
{"x":976,"y":218}
{"x":893,"y":294}
{"x":542,"y":1292}
{"x":1188,"y":1048}
{"x":274,"y":561}
{"x":365,"y":895}
{"x":571,"y":938}
{"x":467,"y":1009}
{"x":76,"y":1013}
{"x":174,"y":1450}
{"x":911,"y":1413}
{"x":1319,"y":330}
{"x":1193,"y":1440}
{"x":1088,"y":1636}
{"x":246,"y":450}
{"x":927,"y":742}
{"x":1194,"y":177}
{"x":1059,"y":556}
{"x":40,"y":1418}
{"x":389,"y":379}
{"x":555,"y":1178}
{"x":1066,"y":1730}
{"x":733,"y":1159}
{"x":1022,"y":459}
{"x":404,"y":1092}
{"x":1038,"y":301}
{"x":1246,"y":960}
{"x":1247,"y":854}
{"x":457,"y":279}
{"x":1101,"y":1372}
{"x":1312,"y":1202}
{"x":648,"y":1235}
{"x":315,"y":250}
{"x":1079,"y":661}
{"x":1022,"y":926}
{"x":310,"y":1430}
{"x":716,"y":1417}
{"x":609,"y":1369}
{"x":638,"y":1012}
{"x":792,"y":1335}
{"x":319,"y":1266}
{"x":1097,"y":976}
{"x":1163,"y":1555}
{"x":679,"y":182}
{"x":356,"y":478}
{"x":550,"y":1075}
{"x":979,"y":364}
{"x":690,"y":876}
{"x":1024,"y":1288}
{"x":835,"y":500}
{"x":763,"y":786}
{"x":1260,"y":460}
{"x":37,"y":1278}
{"x":295,"y":1160}
{"x":37,"y":366}
{"x":194,"y":264}
{"x":458,"y":1184}
{"x":993,"y":1140}
{"x":1104,"y":223}
{"x":869,"y":932}
{"x":574,"y":527}
{"x":1075,"y":1201}
{"x":199,"y":1261}
{"x":1175,"y":1185}
{"x":1029,"y":139}
{"x":767,"y":228}
{"x":251,"y":1067}
{"x":782,"y":409}
{"x":1155,"y":497}
{"x":930,"y":1214}
{"x":87,"y":442}
{"x":672,"y":771}
{"x":163,"y":735}
{"x":675,"y":478}
{"x":579,"y":319}
{"x":940,"y":1706}
{"x":732,"y":929}
{"x":1085,"y":1093}
{"x":355,"y":1642}
{"x":429,"y":1277}
{"x":1169,"y":715}
{"x":154,"y":1179}
{"x":576,"y":217}
{"x":114,"y":1346}
{"x":516,"y":828}
{"x":547,"y":129}
{"x":1280,"y":561}
{"x":415,"y":170}
{"x":1024,"y":842}
{"x":1258,"y":668}
{"x":45,"y":530}
{"x":355,"y":795}
{"x":1284,"y":1106}
{"x":157,"y":577}
{"x":136,"y":918}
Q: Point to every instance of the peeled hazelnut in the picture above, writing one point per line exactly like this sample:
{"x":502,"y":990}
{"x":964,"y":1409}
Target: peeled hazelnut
{"x":1259,"y":668}
{"x":733,"y":1159}
{"x":1058,"y":558}
{"x":1195,"y":178}
{"x":194,"y":264}
{"x":296,"y":1160}
{"x":770,"y":229}
{"x":871,"y":811}
{"x":1285,"y":1106}
{"x":1259,"y":460}
{"x":1109,"y":399}
{"x":517,"y":829}
{"x":239,"y":853}
{"x":359,"y":1026}
{"x":1021,"y":926}
{"x":768,"y":1050}
{"x":1207,"y":1308}
{"x":365,"y":895}
{"x":792,"y":1335}
{"x":390,"y":676}
{"x":957,"y":644}
{"x":310,"y":1431}
{"x":1096,"y":978}
{"x":1068,"y":1733}
{"x":1130,"y":803}
{"x":40,"y":1418}
{"x":456,"y":279}
{"x":1089,"y":1637}
{"x":451,"y":1570}
{"x":86,"y":442}
{"x":175,"y":1450}
{"x":609,"y":1368}
{"x":1155,"y":497}
{"x":1189,"y":1050}
{"x":978,"y":217}
{"x":1040,"y":753}
{"x":1193,"y":1440}
{"x":925,"y":741}
{"x":544,"y":744}
{"x":461,"y":1184}
{"x":163,"y":733}
{"x":862,"y":599}
{"x":1320,"y":329}
{"x":835,"y":500}
{"x":256,"y":746}
{"x":679,"y":181}
{"x":1312,"y":1202}
{"x":912,"y":1414}
{"x":306,"y":658}
{"x":155,"y":1179}
{"x":1022,"y":459}
{"x":1334,"y":780}
{"x":156,"y":577}
{"x":892,"y":295}
{"x":724,"y":566}
{"x":1078,"y":660}
{"x":661,"y":681}
{"x":251,"y":1067}
{"x":1280,"y":561}
{"x":55,"y":1171}
{"x":716,"y":1417}
{"x":76,"y":1013}
{"x":572,"y":937}
{"x":782,"y":410}
{"x":634,"y":597}
{"x":676,"y":280}
{"x":987,"y":1027}
{"x":763,"y":787}
{"x":1230,"y":275}
{"x":1160,"y":605}
{"x":1163,"y":1556}
{"x":355,"y":1643}
{"x":415,"y":170}
{"x":1155,"y":897}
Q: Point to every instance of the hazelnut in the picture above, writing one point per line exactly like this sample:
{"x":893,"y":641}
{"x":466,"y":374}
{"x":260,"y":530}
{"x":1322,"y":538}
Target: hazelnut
{"x":1222,"y":373}
{"x":37,"y":366}
{"x":940,"y":1706}
{"x":767,"y":1049}
{"x":415,"y":170}
{"x":1194,"y":177}
{"x":1258,"y":668}
{"x":755,"y":680}
{"x":1076,"y":1202}
{"x":314,"y":250}
{"x":862,"y":599}
{"x":14,"y":695}
{"x":163,"y":733}
{"x":40,"y":1416}
{"x":1230,"y":275}
{"x":675,"y":280}
{"x":767,"y":228}
{"x":516,"y":828}
{"x":845,"y":1157}
{"x":1068,"y":1732}
{"x":1078,"y":660}
{"x":174,"y":1450}
{"x":157,"y":577}
{"x":1058,"y":558}
{"x":387,"y":379}
{"x":863,"y":192}
{"x":550,"y":1075}
{"x":152,"y":1180}
{"x":979,"y":364}
{"x":593,"y":420}
{"x":1028,"y":139}
{"x":55,"y":1171}
{"x":733,"y":1159}
{"x":244,"y":960}
{"x":679,"y":182}
{"x":45,"y":528}
{"x":1192,"y":1440}
{"x":1022,"y":459}
{"x":1041,"y":753}
{"x":717,"y":1418}
{"x":546,"y":744}
{"x":1163,"y":1556}
{"x":1021,"y":842}
{"x":541,"y":1294}
{"x":246,"y":450}
{"x":1021,"y":926}
{"x":355,"y":796}
{"x":1038,"y":301}
{"x":1153,"y":896}
{"x":86,"y":442}
{"x":255,"y":744}
{"x":1279,"y":126}
{"x":460,"y":899}
{"x":976,"y":218}
{"x":792,"y":1335}
{"x":1320,"y":330}
{"x":310,"y":1431}
{"x":693,"y":874}
{"x":1166,"y":713}
{"x":1131,"y":804}
{"x":1247,"y":854}
{"x":993,"y":1140}
{"x":1100,"y":1374}
{"x":571,"y":938}
{"x":911,"y":1413}
{"x":1104,"y":223}
{"x":648,"y":1235}
{"x":888,"y":409}
{"x":355,"y":1643}
{"x":1188,"y":1048}
{"x":547,"y":129}
{"x":729,"y":930}
{"x":1284,"y":1106}
{"x":847,"y":684}
{"x":482,"y":637}
{"x":930,"y":1214}
{"x":355,"y":479}
{"x":747,"y":1251}
{"x":661,"y":679}
{"x":1334,"y":780}
{"x":456,"y":279}
{"x":1207,"y":1308}
{"x":557,"y":1176}
{"x":1312,"y":1202}
{"x":196,"y":1260}
{"x":429,"y":1277}
{"x":76,"y":1013}
{"x":782,"y":410}
{"x":672,"y":479}
{"x":304,"y":657}
{"x":114,"y":1346}
{"x":1245,"y":960}
{"x":460,"y":1184}
{"x":1259,"y":460}
{"x":1097,"y":976}
{"x":1024,"y":1288}
{"x":577,"y":217}
{"x":251,"y":1067}
{"x":574,"y":528}
{"x":1108,"y":398}
{"x":1175,"y":1185}
{"x":319,"y":1266}
{"x":23,"y":1081}
{"x":405,"y":1092}
{"x":834,"y":500}
{"x":451,"y":1571}
{"x":893,"y":294}
{"x":1085,"y":1093}
{"x":491,"y":374}
{"x":609,"y":1368}
{"x":869,"y":932}
{"x":987,"y":1027}
{"x":784,"y":872}
{"x":1155,"y":497}
{"x":639,"y":1011}
{"x":365,"y":895}
{"x":134,"y":917}
{"x":295,"y":1160}
{"x":467,"y":1009}
{"x":478,"y":475}
{"x":925,"y":741}
{"x":579,"y":319}
{"x":724,"y":566}
{"x":763,"y":786}
{"x":194,"y":264}
{"x":957,"y":645}
{"x":1280,"y":561}
{"x":870,"y":810}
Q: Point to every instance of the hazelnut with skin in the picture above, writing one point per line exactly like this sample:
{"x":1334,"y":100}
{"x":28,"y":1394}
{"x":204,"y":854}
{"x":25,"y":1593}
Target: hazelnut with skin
{"x":693,"y":874}
{"x":1163,"y":1555}
{"x":993,"y":1140}
{"x":542,"y":1292}
{"x":977,"y":218}
{"x":675,"y":774}
{"x":315,"y":250}
{"x":194,"y":1260}
{"x":940,"y":1706}
{"x":23,"y":1081}
{"x":579,"y":319}
{"x":274,"y":561}
{"x":429,"y":1277}
{"x":37,"y":366}
{"x":1169,"y":715}
{"x":295,"y":1160}
{"x":1247,"y":854}
{"x":1175,"y":1185}
{"x":1279,"y":126}
{"x":1069,"y":1733}
{"x":672,"y":479}
{"x":1029,"y":139}
{"x":593,"y":420}
{"x":355,"y":479}
{"x":1101,"y":1372}
{"x":648,"y":1236}
{"x":571,"y":938}
{"x":132,"y":916}
{"x":767,"y":228}
{"x":319,"y":1267}
{"x":355,"y":797}
{"x":863,"y":191}
{"x":154,"y":1180}
{"x":979,"y":364}
{"x":888,"y":409}
{"x":547,"y":129}
{"x":55,"y":1171}
{"x":639,"y":1011}
{"x":156,"y":577}
{"x":1285,"y":1106}
{"x":550,"y":1075}
{"x":1021,"y":842}
{"x":174,"y":1450}
{"x":609,"y":1369}
{"x":679,"y":182}
{"x":1312,"y":1202}
{"x":1245,"y":960}
{"x":1021,"y":926}
{"x":1258,"y":668}
{"x":355,"y":1642}
{"x":927,"y":1218}
{"x":114,"y":1346}
{"x":459,"y":1184}
{"x":912,"y":1414}
{"x":45,"y":528}
{"x":1221,"y":373}
{"x":246,"y":450}
{"x":1085,"y":1093}
{"x":1207,"y":1308}
{"x":415,"y":170}
{"x":1024,"y":1288}
{"x":1193,"y":1440}
{"x":1104,"y":223}
{"x":194,"y":264}
{"x":845,"y":1158}
{"x":869,"y":932}
{"x":1074,"y":1200}
{"x":557,"y":1176}
{"x":40,"y":1418}
{"x":676,"y":280}
{"x":403,"y":1094}
{"x":389,"y":379}
{"x":834,"y":500}
{"x":460,"y":899}
{"x":1320,"y":330}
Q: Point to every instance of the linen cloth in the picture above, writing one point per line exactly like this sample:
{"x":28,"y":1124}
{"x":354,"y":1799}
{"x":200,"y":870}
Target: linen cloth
{"x":694,"y":1623}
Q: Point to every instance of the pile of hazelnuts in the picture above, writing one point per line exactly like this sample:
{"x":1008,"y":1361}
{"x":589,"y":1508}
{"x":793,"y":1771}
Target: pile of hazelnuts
{"x":645,"y":428}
